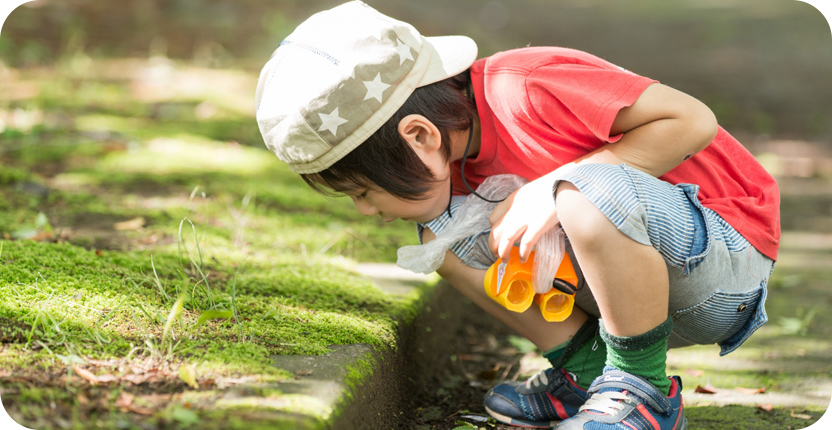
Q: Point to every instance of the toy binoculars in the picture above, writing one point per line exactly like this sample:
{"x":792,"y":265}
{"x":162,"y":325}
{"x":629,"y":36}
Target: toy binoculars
{"x":510,"y":284}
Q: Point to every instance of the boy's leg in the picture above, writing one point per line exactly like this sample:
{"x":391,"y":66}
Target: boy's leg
{"x":629,"y":281}
{"x":573,"y":346}
{"x":552,"y":394}
{"x":626,"y":247}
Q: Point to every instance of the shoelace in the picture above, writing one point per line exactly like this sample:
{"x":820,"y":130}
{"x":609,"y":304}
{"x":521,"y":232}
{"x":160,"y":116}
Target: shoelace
{"x":606,"y":403}
{"x":537,"y":379}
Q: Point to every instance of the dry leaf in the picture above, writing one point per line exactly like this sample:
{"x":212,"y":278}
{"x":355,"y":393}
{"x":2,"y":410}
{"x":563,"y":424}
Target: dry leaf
{"x":132,"y":224}
{"x":140,"y":410}
{"x":107,"y":378}
{"x":124,"y":401}
{"x":800,"y":416}
{"x":86,"y":374}
{"x":768,"y":407}
{"x":82,"y":399}
{"x":44,"y":235}
{"x":707,"y":389}
{"x":135,"y":379}
{"x":760,"y":390}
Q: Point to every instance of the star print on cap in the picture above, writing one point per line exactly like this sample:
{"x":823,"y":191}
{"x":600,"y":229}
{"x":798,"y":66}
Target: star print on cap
{"x":340,"y":76}
{"x":375,"y":88}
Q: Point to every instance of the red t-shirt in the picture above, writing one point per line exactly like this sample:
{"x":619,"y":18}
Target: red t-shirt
{"x":540,"y":108}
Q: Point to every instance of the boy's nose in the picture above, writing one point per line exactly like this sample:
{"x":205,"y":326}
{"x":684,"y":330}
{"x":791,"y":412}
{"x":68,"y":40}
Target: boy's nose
{"x":365,"y":208}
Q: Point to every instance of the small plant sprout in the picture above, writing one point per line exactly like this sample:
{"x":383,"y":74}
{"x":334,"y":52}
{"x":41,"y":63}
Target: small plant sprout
{"x":175,"y":314}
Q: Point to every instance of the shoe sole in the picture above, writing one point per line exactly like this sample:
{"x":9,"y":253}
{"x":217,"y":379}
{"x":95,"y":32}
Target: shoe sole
{"x":520,"y":423}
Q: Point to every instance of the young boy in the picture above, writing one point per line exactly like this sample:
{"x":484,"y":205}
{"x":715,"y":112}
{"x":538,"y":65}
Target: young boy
{"x":361,"y":104}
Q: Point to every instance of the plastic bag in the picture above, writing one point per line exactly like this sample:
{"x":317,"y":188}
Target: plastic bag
{"x":548,"y":255}
{"x":472,"y":218}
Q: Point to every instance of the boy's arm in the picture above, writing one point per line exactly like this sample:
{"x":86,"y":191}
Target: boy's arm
{"x":663,"y":128}
{"x":660,"y":130}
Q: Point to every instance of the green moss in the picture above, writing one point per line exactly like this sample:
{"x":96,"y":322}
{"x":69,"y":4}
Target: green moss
{"x":749,"y":418}
{"x":269,"y":248}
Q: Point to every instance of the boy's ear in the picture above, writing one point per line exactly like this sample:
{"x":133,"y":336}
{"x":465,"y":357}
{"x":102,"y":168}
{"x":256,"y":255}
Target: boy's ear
{"x":420,"y":133}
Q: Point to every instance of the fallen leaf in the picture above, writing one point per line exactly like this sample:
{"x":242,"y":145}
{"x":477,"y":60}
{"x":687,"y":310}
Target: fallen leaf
{"x":768,"y":407}
{"x":107,"y":378}
{"x":140,"y":410}
{"x":86,"y":374}
{"x":44,"y":235}
{"x":135,"y":379}
{"x":696,"y":373}
{"x":800,"y":416}
{"x":707,"y":389}
{"x":131,"y":224}
{"x":124,"y":401}
{"x":187,"y":373}
{"x":760,"y":390}
{"x":82,"y":399}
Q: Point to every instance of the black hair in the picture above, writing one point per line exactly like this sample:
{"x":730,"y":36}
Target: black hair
{"x":385,"y":159}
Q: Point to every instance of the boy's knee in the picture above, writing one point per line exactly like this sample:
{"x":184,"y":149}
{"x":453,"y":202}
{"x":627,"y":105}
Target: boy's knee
{"x":581,"y":220}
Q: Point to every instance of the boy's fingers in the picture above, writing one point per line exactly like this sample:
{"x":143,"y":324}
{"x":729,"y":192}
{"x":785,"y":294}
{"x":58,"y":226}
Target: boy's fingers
{"x":500,"y":210}
{"x":527,"y":245}
{"x":507,"y":242}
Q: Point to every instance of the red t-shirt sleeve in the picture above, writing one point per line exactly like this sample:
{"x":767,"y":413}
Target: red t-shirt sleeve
{"x":582,"y":100}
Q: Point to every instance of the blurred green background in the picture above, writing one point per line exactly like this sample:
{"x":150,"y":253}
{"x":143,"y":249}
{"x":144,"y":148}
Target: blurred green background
{"x":762,"y":65}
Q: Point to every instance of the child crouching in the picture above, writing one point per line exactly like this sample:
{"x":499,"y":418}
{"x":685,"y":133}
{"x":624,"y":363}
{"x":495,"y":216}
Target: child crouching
{"x":673,"y":223}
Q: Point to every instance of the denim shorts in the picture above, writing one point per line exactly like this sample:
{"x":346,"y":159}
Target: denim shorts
{"x":717,"y":278}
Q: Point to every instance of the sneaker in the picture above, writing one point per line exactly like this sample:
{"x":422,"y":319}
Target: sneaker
{"x":546,"y":398}
{"x":622,"y":401}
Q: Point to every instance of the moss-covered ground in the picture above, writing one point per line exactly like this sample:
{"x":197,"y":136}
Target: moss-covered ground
{"x":150,"y":243}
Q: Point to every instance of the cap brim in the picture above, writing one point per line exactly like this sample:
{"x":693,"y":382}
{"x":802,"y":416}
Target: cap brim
{"x":450,"y":56}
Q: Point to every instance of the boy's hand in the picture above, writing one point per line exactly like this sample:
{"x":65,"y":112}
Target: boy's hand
{"x":525,"y":215}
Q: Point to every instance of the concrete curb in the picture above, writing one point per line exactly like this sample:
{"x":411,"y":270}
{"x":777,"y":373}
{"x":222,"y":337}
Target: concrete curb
{"x":361,"y":387}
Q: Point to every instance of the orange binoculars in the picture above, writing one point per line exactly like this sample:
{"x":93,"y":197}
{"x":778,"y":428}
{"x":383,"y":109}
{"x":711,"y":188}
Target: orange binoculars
{"x":510,"y":284}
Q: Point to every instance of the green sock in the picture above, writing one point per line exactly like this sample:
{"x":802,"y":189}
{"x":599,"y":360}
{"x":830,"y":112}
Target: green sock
{"x":644,"y":355}
{"x":583,"y":356}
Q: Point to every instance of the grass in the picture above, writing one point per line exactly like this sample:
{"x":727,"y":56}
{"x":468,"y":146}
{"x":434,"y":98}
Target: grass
{"x":140,"y":239}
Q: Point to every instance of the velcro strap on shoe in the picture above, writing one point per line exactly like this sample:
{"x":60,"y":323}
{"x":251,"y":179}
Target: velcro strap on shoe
{"x":642,"y":389}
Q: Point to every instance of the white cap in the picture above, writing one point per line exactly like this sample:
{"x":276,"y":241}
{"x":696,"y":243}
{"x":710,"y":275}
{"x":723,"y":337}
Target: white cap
{"x":340,"y":76}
